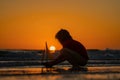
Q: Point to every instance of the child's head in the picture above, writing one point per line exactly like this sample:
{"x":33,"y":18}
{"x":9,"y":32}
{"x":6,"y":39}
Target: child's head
{"x":63,"y":35}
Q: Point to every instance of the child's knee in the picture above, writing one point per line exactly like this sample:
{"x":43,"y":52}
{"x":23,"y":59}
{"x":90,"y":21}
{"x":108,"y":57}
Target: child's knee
{"x":64,"y":51}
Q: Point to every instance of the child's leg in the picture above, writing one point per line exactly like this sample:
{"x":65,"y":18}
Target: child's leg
{"x":72,"y":57}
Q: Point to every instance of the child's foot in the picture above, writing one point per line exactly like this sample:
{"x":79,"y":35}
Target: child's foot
{"x":77,"y":68}
{"x":47,"y":64}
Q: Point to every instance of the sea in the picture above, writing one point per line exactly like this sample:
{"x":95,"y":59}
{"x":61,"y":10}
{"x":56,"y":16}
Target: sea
{"x":26,"y":65}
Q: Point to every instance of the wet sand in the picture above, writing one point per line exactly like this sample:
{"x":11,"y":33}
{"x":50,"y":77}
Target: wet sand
{"x":35,"y":73}
{"x":107,"y":76}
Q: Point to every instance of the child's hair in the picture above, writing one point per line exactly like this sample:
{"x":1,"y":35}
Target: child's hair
{"x":63,"y":35}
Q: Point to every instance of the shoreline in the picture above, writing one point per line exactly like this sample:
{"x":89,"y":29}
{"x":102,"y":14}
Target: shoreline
{"x":38,"y":70}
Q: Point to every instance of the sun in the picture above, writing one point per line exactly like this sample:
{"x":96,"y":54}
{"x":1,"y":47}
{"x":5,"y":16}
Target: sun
{"x":52,"y":48}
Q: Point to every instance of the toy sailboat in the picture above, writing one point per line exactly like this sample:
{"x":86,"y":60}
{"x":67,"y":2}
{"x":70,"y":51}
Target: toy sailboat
{"x":48,"y":55}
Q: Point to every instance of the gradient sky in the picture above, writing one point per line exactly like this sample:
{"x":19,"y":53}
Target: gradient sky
{"x":28,"y":24}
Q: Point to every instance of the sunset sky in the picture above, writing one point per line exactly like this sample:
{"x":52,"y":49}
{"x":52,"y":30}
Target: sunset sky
{"x":28,"y":24}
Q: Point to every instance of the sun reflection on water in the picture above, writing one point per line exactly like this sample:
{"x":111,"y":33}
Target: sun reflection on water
{"x":94,"y":73}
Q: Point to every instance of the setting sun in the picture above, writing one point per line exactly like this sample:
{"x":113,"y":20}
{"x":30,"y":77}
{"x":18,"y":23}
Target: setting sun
{"x":52,"y":48}
{"x":95,"y":23}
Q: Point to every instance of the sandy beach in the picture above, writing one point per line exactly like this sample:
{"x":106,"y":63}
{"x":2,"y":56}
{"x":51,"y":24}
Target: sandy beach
{"x":30,"y":73}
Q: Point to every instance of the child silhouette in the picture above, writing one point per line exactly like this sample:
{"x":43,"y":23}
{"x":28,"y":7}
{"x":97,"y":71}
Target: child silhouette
{"x":73,"y":51}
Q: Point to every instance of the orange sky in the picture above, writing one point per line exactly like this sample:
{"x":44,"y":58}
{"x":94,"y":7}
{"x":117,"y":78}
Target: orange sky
{"x":27,"y":24}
